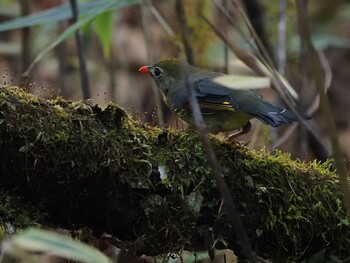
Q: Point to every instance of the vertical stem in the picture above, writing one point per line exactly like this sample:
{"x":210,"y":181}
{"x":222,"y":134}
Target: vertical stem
{"x":111,"y":66}
{"x":25,"y":40}
{"x":82,"y":65}
{"x":281,"y":44}
{"x":281,"y":49}
{"x":224,"y":191}
{"x":180,"y":11}
{"x":226,"y":50}
{"x":315,"y":65}
{"x":60,"y":53}
{"x":256,"y":15}
{"x":146,"y":32}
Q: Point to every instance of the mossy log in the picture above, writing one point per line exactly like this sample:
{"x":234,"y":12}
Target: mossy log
{"x":83,"y":166}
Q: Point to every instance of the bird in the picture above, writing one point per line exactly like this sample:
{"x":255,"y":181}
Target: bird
{"x":223,"y":109}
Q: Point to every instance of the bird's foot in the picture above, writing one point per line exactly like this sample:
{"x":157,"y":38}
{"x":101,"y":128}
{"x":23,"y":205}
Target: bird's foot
{"x":245,"y":129}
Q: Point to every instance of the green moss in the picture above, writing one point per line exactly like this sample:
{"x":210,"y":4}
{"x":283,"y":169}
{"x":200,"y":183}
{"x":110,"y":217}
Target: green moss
{"x":84,"y":165}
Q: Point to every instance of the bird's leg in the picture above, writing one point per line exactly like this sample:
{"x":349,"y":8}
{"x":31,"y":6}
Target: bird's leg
{"x":245,"y":129}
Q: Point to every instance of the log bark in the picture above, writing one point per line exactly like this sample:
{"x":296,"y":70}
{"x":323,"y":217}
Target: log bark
{"x":152,"y":190}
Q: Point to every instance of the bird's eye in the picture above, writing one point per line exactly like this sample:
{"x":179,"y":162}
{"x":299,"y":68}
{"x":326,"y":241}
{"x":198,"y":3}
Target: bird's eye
{"x":157,"y":72}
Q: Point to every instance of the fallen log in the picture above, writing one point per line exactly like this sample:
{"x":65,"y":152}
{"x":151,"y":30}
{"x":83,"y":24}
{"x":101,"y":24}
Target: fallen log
{"x":152,"y":190}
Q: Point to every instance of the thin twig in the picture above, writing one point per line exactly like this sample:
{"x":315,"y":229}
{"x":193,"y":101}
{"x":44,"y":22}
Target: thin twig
{"x":264,"y":55}
{"x":25,"y":41}
{"x":224,"y":191}
{"x":145,"y":7}
{"x":83,"y":72}
{"x":256,"y":132}
{"x":281,"y":48}
{"x":267,"y":61}
{"x":252,"y":63}
{"x":185,"y":32}
{"x":327,"y":82}
{"x":287,"y":93}
{"x":315,"y":65}
{"x":256,"y":16}
{"x":311,"y":109}
{"x":60,"y":53}
{"x":226,"y":50}
{"x":281,"y":43}
{"x":285,"y":136}
{"x":247,"y":58}
{"x":160,"y":18}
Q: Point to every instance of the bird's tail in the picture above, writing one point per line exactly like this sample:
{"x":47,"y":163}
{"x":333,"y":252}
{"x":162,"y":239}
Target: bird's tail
{"x":279,"y":117}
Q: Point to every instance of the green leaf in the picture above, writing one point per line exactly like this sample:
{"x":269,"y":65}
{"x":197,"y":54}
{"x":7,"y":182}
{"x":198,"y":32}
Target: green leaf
{"x":102,"y":7}
{"x":63,"y":12}
{"x":104,"y":29}
{"x":35,"y":240}
{"x":239,"y":82}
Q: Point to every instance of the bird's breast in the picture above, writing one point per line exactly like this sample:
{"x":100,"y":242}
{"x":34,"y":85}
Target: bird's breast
{"x":224,"y":121}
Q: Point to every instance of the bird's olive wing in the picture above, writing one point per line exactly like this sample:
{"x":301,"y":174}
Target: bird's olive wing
{"x":214,"y":97}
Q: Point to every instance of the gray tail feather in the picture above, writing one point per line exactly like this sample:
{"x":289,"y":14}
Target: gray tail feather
{"x":279,"y":117}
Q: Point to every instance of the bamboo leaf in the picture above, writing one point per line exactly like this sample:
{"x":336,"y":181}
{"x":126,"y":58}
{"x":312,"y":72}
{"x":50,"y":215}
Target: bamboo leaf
{"x":36,"y":240}
{"x":104,"y":30}
{"x":103,"y":7}
{"x":63,"y":12}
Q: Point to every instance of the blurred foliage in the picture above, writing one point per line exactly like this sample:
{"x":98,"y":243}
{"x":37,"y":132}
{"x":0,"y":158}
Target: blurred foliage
{"x":88,"y":11}
{"x":201,"y":35}
{"x":9,"y":8}
{"x":331,"y":26}
{"x":326,"y":16}
{"x":31,"y":244}
{"x":103,"y":26}
{"x":16,"y":214}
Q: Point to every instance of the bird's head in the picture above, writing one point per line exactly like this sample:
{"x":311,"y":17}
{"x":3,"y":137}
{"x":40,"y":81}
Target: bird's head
{"x":167,"y":73}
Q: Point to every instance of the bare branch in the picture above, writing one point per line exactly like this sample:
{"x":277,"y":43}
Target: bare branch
{"x":145,"y":9}
{"x":180,"y":10}
{"x":83,"y":71}
{"x":224,"y":191}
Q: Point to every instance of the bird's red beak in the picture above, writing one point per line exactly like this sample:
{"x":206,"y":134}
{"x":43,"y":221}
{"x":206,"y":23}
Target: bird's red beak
{"x":144,"y":69}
